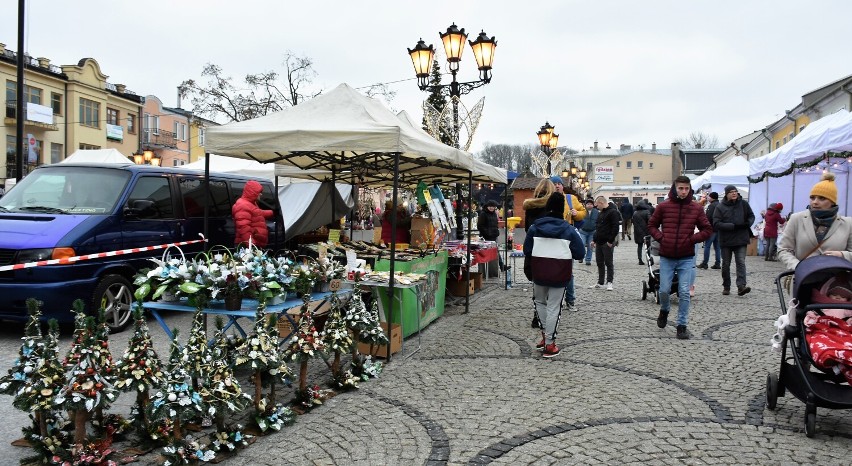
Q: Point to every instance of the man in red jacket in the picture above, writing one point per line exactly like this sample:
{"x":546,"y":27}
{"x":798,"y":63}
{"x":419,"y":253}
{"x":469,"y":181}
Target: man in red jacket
{"x":673,"y":225}
{"x":773,"y":221}
{"x":249,"y":219}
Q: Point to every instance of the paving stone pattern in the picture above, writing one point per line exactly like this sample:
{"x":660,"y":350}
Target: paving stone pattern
{"x":621,"y":392}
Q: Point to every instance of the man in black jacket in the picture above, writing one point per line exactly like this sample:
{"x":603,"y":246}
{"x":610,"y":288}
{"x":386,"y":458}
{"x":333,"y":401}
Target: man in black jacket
{"x":626,"y":211}
{"x":732,"y":219}
{"x":713,"y":241}
{"x":603,"y":242}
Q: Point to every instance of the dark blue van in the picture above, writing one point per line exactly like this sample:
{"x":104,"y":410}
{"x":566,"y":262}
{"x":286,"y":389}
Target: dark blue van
{"x":67,"y":210}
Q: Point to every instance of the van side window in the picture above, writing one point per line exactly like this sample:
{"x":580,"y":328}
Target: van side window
{"x":192,"y":192}
{"x":156,"y":191}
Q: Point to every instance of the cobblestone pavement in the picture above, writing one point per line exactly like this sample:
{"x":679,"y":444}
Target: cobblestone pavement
{"x":621,"y":391}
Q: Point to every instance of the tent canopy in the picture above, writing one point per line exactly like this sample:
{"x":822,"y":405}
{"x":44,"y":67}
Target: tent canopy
{"x":345,"y":130}
{"x":98,"y":156}
{"x":829,"y":134}
{"x":246,"y":167}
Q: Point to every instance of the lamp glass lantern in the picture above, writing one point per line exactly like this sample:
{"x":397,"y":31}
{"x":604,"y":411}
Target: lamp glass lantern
{"x":573,"y":171}
{"x":554,"y":140}
{"x":138,"y":159}
{"x":422,"y":57}
{"x":155,"y":161}
{"x":483,"y":50}
{"x":454,"y":40}
{"x":148,"y":155}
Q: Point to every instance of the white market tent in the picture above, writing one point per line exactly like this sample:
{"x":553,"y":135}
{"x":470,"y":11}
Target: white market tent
{"x":98,"y":157}
{"x":308,"y":203}
{"x":343,"y":130}
{"x":734,"y":172}
{"x":828,"y":139}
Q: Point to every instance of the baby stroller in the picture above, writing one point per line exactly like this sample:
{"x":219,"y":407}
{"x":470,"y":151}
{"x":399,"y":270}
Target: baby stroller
{"x":652,"y":285}
{"x":819,"y":387}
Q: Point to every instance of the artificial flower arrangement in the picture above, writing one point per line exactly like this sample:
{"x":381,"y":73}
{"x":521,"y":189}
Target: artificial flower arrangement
{"x":327,"y":269}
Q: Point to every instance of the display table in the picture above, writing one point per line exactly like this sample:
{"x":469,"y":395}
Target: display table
{"x":248,"y":310}
{"x":413,"y":310}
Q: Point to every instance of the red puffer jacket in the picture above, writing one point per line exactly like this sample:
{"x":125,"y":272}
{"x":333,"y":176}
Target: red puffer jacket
{"x":249,"y":219}
{"x":773,"y":218}
{"x":678,"y":219}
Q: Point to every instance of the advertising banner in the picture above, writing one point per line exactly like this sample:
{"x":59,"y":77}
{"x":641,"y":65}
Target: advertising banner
{"x":604,"y":174}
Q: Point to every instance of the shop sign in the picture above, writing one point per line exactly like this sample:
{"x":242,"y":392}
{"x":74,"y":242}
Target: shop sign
{"x":115,"y":132}
{"x":39,"y":113}
{"x":604,"y":174}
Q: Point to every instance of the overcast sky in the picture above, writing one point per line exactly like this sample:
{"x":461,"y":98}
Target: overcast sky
{"x":619,"y":72}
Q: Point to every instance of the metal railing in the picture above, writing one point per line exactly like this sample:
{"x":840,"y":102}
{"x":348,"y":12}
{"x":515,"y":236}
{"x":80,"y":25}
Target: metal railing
{"x":159,"y":138}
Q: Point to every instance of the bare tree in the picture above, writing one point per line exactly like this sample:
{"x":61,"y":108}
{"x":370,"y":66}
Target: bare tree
{"x":509,"y":156}
{"x":698,"y":140}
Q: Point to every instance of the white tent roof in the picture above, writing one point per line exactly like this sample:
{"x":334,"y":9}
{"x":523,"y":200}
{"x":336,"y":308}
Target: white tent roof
{"x":829,"y":134}
{"x":98,"y":156}
{"x":245,"y":167}
{"x":734,"y":172}
{"x":702,"y":180}
{"x":341,"y":129}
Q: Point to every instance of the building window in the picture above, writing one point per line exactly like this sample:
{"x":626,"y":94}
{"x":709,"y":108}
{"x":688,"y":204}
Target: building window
{"x":777,"y":144}
{"x":801,"y":128}
{"x":56,"y":103}
{"x":617,"y":164}
{"x":31,"y":94}
{"x":629,"y":165}
{"x":182,"y":132}
{"x":90,"y":113}
{"x":651,"y":165}
{"x":639,"y":164}
{"x":784,"y":141}
{"x":88,"y":147}
{"x":201,"y":135}
{"x":176,"y":129}
{"x":55,"y":152}
{"x":112,"y":116}
{"x":10,"y":154}
{"x":131,"y":123}
{"x":635,"y":179}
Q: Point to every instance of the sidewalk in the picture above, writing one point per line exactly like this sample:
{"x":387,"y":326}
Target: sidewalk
{"x":621,"y":391}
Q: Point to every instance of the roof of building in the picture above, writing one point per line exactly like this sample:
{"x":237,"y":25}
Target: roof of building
{"x":525,"y":182}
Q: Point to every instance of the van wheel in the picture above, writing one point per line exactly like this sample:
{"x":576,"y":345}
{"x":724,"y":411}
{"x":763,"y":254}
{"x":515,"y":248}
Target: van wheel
{"x":115,"y":295}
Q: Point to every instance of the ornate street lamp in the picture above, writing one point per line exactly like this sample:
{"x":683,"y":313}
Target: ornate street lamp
{"x":548,"y":140}
{"x":147,"y":158}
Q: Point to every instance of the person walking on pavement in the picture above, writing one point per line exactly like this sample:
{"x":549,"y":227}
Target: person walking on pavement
{"x":773,"y":220}
{"x":673,"y":225}
{"x":640,"y":226}
{"x":488,"y":225}
{"x":550,"y":246}
{"x":535,"y":208}
{"x":626,"y":211}
{"x":606,"y":232}
{"x":733,"y":219}
{"x":587,"y":231}
{"x":713,"y":241}
{"x":575,"y":214}
{"x":818,"y":230}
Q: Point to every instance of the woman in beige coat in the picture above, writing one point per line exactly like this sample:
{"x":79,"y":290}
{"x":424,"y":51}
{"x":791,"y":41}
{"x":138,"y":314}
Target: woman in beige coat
{"x":818,"y":230}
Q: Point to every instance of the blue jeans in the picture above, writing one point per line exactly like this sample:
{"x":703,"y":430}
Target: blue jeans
{"x":685,"y":268}
{"x":569,"y":291}
{"x":587,"y":238}
{"x":714,"y":241}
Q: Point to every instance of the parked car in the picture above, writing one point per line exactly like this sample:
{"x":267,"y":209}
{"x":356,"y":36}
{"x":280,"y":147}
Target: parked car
{"x":67,"y":210}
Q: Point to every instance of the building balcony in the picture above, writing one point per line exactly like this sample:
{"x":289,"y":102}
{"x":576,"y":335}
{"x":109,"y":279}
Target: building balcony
{"x":11,"y":118}
{"x":159,"y":138}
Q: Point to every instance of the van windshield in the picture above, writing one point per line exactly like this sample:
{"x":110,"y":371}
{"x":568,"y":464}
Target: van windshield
{"x":69,"y":190}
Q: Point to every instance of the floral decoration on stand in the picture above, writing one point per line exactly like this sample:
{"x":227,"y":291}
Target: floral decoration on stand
{"x":175,"y":402}
{"x":195,"y":354}
{"x":336,"y":338}
{"x":186,"y":451}
{"x":306,"y":344}
{"x":366,"y":327}
{"x":38,"y":396}
{"x":139,"y":368}
{"x":28,"y":354}
{"x":260,"y":353}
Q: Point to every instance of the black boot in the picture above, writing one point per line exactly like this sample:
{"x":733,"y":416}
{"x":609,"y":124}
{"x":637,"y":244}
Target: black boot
{"x":535,"y":322}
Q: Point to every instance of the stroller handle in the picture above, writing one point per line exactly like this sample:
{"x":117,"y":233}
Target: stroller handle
{"x":780,"y":288}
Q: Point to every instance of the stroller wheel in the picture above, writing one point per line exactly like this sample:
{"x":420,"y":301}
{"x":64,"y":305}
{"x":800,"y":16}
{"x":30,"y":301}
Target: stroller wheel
{"x":644,"y":290}
{"x":771,"y":391}
{"x":810,"y":420}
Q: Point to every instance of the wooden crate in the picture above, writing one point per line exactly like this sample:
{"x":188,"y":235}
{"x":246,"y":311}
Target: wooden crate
{"x":457,"y":287}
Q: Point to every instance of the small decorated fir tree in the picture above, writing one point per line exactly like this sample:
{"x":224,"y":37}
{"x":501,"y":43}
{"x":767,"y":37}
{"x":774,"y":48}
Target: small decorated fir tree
{"x":87,"y":389}
{"x":336,"y":337}
{"x":196,"y":357}
{"x":176,"y":401}
{"x":80,"y":332}
{"x":305,"y":345}
{"x":222,"y":393}
{"x":29,"y":354}
{"x":139,"y":368}
{"x":38,"y":396}
{"x":366,"y":327}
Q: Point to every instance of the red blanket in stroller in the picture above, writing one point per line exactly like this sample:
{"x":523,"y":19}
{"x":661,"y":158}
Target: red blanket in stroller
{"x":830,"y":343}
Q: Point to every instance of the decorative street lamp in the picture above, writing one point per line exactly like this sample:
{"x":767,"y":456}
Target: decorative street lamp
{"x":422,"y":56}
{"x":147,"y":158}
{"x":549,"y":141}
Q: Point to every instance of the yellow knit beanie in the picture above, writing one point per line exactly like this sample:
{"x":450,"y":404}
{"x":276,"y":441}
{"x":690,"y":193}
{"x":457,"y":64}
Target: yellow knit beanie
{"x":826,"y":188}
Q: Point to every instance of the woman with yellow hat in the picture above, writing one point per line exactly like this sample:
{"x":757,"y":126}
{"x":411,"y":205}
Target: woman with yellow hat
{"x":818,"y":230}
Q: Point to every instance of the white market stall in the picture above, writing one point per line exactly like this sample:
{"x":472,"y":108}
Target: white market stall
{"x":786,"y":174}
{"x":734,"y":172}
{"x":343,"y":131}
{"x":98,"y":157}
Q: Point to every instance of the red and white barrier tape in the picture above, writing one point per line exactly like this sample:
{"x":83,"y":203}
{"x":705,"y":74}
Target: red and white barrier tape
{"x":69,"y":260}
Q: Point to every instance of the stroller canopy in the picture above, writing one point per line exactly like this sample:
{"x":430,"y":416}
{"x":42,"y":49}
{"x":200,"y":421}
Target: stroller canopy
{"x":812,"y":272}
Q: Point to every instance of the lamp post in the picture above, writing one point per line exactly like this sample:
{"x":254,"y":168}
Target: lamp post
{"x":549,"y":141}
{"x":147,"y":158}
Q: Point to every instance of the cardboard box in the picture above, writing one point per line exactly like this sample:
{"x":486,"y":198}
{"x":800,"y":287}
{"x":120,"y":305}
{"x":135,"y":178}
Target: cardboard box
{"x":381,"y":351}
{"x":422,"y":231}
{"x":476,"y":278}
{"x":457,"y":287}
{"x":751,"y":249}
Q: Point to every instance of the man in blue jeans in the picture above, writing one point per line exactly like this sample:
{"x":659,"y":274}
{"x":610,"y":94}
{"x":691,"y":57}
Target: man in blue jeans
{"x":673,"y":225}
{"x":587,"y":230}
{"x":713,"y":241}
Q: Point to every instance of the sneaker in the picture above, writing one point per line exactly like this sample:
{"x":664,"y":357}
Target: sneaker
{"x":692,"y":291}
{"x":702,"y":265}
{"x":641,"y":263}
{"x":726,"y":291}
{"x":596,"y":286}
{"x":716,"y":267}
{"x":662,"y":319}
{"x":741,"y":290}
{"x":550,"y":350}
{"x":588,"y":263}
{"x":570,"y":307}
{"x":609,"y":286}
{"x":540,"y":345}
{"x":682,"y":333}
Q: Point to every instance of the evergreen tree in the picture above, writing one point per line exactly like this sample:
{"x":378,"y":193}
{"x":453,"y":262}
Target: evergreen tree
{"x":80,"y":332}
{"x":139,"y":368}
{"x":196,"y":357}
{"x":28,"y":355}
{"x":438,"y":102}
{"x":365,"y":325}
{"x":305,"y":345}
{"x":335,"y":335}
{"x":38,"y":396}
{"x":260,"y":354}
{"x":176,"y":401}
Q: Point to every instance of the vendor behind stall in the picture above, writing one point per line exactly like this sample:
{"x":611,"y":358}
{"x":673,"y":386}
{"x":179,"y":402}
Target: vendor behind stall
{"x":403,"y":224}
